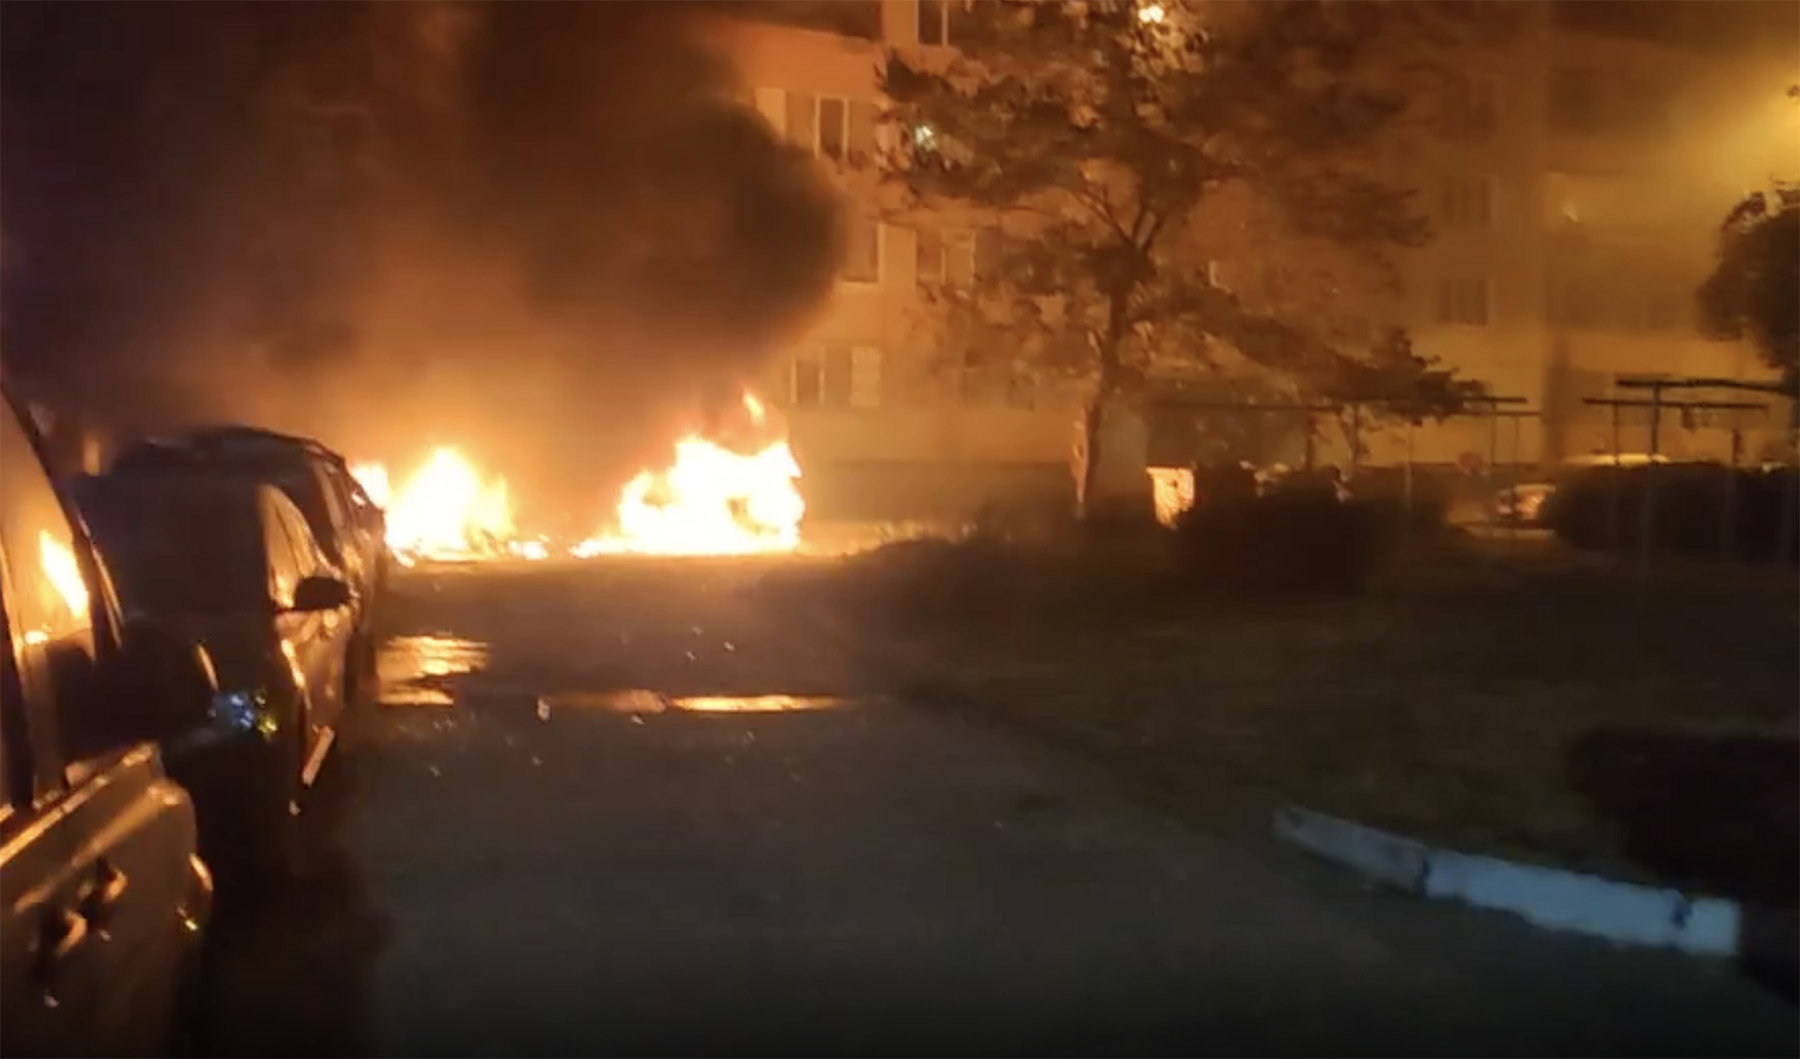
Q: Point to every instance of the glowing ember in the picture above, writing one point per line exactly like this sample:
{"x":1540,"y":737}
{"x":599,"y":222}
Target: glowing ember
{"x":713,"y":500}
{"x":445,"y":510}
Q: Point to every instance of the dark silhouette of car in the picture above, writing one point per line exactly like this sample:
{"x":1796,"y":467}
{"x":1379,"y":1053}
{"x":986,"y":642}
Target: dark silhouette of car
{"x":348,"y":526}
{"x":228,"y":560}
{"x":105,"y":898}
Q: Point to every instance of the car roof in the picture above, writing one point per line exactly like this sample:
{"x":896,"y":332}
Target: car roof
{"x":226,"y":442}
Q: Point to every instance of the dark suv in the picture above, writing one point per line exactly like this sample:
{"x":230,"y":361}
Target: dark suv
{"x":348,"y":526}
{"x":228,"y":560}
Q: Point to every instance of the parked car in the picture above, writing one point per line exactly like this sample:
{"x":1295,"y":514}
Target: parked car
{"x":1522,"y":504}
{"x":229,"y":560}
{"x":348,"y":526}
{"x":103,"y":897}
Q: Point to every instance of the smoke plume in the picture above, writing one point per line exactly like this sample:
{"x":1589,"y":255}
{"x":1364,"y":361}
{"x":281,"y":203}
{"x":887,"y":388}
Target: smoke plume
{"x":543,"y":230}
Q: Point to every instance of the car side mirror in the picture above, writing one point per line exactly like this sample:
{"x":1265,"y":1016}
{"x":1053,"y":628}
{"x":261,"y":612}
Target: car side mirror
{"x":317,"y":593}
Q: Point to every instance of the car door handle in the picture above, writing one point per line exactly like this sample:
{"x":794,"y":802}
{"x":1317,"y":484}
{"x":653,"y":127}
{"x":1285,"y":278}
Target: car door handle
{"x":101,"y":894}
{"x":62,"y":932}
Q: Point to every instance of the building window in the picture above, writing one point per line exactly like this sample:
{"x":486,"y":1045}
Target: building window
{"x":934,"y":22}
{"x":1466,"y":202}
{"x":865,"y":377}
{"x":832,"y":127}
{"x":862,"y":254}
{"x":837,"y":376}
{"x":834,"y":115}
{"x":1575,"y":104}
{"x":942,"y":22}
{"x":808,"y":390}
{"x":929,"y":257}
{"x":946,"y":257}
{"x":1470,"y":108}
{"x":1463,"y":301}
{"x":956,"y":257}
{"x":803,"y":120}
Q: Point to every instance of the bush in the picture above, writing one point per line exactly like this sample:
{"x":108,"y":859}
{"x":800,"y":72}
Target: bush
{"x":923,"y":579}
{"x":1290,"y":542}
{"x":1602,"y":507}
{"x":1382,"y":491}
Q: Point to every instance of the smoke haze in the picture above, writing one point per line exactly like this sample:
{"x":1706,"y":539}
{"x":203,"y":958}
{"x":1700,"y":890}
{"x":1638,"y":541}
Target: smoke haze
{"x":541,"y":230}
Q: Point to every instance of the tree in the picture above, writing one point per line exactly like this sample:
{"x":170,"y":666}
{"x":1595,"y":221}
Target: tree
{"x":1126,"y":150}
{"x":1754,"y":290}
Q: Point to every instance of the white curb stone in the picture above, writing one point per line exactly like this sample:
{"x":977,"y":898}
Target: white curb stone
{"x":1548,"y":897}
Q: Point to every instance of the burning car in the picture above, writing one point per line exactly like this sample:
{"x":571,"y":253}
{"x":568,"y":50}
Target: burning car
{"x":732,"y":489}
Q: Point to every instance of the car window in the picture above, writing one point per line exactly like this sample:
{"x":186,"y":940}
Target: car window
{"x":335,"y":503}
{"x":309,"y":559}
{"x":307,"y":488}
{"x":360,"y":501}
{"x":343,"y":501}
{"x":284,"y":563}
{"x":179,"y":546}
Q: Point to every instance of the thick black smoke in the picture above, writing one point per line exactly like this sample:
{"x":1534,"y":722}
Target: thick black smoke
{"x":543,"y":230}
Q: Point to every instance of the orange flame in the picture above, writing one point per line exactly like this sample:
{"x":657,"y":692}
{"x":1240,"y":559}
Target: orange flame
{"x":711,"y":501}
{"x":445,"y":510}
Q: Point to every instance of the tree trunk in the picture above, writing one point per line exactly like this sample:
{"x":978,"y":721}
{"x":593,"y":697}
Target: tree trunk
{"x":1106,"y":386}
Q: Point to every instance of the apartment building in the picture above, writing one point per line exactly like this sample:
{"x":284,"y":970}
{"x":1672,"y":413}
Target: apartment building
{"x":882,"y":425}
{"x":1576,"y":212}
{"x":1572,"y":222}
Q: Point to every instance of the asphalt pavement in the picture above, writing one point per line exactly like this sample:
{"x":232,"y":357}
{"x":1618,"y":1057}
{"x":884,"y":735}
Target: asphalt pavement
{"x":631,"y":808}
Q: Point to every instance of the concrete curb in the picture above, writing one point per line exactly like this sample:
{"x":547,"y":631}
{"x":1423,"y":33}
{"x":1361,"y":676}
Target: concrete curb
{"x":1547,"y":897}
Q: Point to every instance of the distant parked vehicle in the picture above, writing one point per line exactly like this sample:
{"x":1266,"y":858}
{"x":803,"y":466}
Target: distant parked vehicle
{"x":1608,"y":459}
{"x":1522,"y":504}
{"x":104,"y":899}
{"x":230,"y":561}
{"x":348,"y":526}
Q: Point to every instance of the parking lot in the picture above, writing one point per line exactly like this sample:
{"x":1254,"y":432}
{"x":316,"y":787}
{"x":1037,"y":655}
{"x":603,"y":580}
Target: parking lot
{"x":621,"y":807}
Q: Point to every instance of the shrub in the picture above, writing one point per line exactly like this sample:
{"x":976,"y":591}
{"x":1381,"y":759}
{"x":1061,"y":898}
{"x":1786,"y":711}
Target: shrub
{"x":932,"y":579}
{"x":1290,"y":542}
{"x":1382,"y":491}
{"x":1602,"y":507}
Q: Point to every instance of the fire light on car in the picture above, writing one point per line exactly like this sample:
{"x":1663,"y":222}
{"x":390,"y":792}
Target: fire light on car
{"x":64,"y":574}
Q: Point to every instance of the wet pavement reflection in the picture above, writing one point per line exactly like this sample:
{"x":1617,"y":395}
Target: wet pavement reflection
{"x":416,"y":670}
{"x":756,"y":703}
{"x":645,"y":701}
